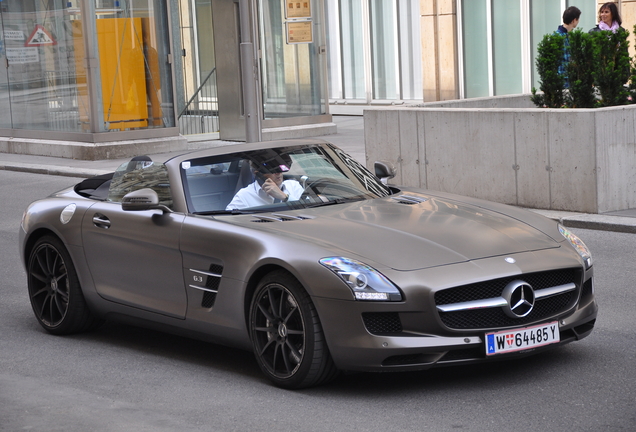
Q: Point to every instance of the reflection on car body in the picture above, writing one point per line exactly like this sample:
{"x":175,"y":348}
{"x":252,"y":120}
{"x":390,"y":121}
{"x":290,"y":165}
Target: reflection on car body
{"x":352,"y":274}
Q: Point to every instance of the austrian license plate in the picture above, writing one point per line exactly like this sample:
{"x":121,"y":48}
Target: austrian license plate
{"x":522,"y":338}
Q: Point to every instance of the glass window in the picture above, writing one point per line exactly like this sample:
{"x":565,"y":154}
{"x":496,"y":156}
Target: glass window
{"x":291,"y":72}
{"x":45,"y":84}
{"x":546,"y":18}
{"x":384,"y":51}
{"x":351,"y":25}
{"x":198,"y":109}
{"x":378,"y":53}
{"x":475,"y":43}
{"x":136,"y":77}
{"x":410,"y":50}
{"x":334,"y":65}
{"x":42,"y":46}
{"x":506,"y":29}
{"x":589,"y":13}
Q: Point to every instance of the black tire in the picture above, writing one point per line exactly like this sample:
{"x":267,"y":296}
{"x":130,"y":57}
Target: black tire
{"x":54,"y":289}
{"x":286,"y":334}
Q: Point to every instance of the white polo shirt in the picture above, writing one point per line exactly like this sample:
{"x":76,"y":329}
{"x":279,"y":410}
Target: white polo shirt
{"x":254,"y":196}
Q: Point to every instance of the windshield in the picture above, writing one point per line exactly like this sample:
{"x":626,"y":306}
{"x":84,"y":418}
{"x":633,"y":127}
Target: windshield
{"x":277,"y":179}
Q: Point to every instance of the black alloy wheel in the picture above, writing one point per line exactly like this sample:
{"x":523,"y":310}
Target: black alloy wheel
{"x":54,"y":290}
{"x":286,"y":334}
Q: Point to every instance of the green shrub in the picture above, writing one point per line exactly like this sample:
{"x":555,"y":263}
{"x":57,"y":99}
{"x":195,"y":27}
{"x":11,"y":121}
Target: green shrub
{"x":599,"y":65}
{"x":632,"y":79}
{"x":582,"y":62}
{"x":551,"y":83}
{"x":611,"y":69}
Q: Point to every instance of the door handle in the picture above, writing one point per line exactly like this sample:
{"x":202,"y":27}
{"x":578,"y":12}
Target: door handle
{"x":101,"y":221}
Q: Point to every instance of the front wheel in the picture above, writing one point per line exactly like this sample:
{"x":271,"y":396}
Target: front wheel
{"x":286,"y":334}
{"x":54,"y":289}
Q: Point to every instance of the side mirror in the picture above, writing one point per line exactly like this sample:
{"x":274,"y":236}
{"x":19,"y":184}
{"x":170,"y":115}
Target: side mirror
{"x":384,"y":170}
{"x":143,"y":199}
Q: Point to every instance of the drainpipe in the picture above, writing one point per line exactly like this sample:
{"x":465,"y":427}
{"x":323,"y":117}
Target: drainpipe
{"x":249,"y":76}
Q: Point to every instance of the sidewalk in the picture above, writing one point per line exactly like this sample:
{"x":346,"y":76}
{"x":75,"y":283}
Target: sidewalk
{"x":350,"y":138}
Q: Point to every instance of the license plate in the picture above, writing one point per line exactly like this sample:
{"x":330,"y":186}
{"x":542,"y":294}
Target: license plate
{"x":522,"y":339}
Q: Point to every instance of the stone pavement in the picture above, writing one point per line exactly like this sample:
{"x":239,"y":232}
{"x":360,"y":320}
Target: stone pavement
{"x":350,"y":138}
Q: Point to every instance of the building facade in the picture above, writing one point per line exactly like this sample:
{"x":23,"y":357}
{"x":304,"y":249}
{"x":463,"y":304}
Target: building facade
{"x":93,"y":79}
{"x":96,"y":79}
{"x":84,"y":72}
{"x":399,"y":51}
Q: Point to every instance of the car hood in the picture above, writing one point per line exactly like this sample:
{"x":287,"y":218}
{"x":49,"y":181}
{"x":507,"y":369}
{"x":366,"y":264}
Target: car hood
{"x":405,"y":235}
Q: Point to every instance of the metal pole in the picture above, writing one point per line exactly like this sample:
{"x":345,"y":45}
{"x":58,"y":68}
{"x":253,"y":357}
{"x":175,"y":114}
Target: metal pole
{"x":249,"y":76}
{"x":91,"y":64}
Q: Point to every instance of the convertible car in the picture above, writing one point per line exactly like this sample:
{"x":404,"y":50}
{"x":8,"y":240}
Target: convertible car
{"x":297,"y":252}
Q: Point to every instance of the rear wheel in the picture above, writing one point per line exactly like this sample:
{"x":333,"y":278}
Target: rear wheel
{"x":286,"y":334}
{"x":54,"y":289}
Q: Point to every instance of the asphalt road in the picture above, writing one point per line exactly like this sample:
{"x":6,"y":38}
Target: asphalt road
{"x":122,"y":378}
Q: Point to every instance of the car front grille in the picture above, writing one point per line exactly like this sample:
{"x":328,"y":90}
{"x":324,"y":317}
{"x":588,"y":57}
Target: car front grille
{"x":494,"y":317}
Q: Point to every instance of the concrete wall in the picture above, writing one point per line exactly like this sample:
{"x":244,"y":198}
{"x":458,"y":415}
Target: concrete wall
{"x":561,"y":159}
{"x":506,"y":101}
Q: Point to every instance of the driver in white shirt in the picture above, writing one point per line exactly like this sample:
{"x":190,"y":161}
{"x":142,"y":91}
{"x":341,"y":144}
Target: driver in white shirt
{"x":268,"y":188}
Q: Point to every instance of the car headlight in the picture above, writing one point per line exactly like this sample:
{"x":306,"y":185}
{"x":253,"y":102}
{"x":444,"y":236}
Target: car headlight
{"x":578,"y":245}
{"x":365,"y":282}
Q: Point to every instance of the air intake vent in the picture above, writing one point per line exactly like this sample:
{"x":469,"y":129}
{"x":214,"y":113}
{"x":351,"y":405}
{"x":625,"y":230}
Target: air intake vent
{"x":208,"y":299}
{"x":409,"y":199}
{"x":381,"y":323}
{"x":279,"y":218}
{"x":212,"y":282}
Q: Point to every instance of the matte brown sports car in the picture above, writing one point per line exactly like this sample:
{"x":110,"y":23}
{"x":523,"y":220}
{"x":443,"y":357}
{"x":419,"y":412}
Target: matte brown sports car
{"x":297,"y":252}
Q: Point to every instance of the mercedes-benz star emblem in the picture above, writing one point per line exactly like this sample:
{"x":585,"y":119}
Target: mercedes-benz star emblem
{"x":520,"y":298}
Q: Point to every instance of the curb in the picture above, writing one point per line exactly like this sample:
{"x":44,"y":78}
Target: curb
{"x":52,"y":170}
{"x":596,"y":222}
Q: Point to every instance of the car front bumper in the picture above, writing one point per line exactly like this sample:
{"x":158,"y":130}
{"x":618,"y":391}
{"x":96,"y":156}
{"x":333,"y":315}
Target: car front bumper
{"x":354,"y":346}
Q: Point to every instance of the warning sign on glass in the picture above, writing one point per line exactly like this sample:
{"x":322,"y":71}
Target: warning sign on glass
{"x":299,"y":32}
{"x":298,"y":9}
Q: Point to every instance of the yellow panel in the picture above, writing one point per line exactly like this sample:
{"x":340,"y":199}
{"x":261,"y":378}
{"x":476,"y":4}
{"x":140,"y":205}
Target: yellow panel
{"x":121,"y":56}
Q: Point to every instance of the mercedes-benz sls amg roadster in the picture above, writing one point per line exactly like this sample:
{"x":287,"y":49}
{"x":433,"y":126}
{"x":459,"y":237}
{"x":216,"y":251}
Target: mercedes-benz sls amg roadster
{"x":297,"y":252}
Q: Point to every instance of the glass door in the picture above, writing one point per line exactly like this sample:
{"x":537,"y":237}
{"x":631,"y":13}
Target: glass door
{"x":292,"y":68}
{"x":200,"y":111}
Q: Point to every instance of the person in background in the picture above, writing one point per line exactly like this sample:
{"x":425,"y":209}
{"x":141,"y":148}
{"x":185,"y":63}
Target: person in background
{"x":571,"y":18}
{"x":608,"y":18}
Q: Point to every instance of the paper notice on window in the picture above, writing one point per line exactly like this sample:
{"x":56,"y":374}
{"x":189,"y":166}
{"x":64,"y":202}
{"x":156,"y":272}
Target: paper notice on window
{"x":22,"y":55}
{"x":299,"y":32}
{"x":298,"y":9}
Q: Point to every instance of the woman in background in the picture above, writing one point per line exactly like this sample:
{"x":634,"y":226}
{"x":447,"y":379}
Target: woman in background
{"x":608,"y":18}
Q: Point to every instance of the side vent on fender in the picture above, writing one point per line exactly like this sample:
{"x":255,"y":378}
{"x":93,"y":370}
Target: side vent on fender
{"x":212,"y":283}
{"x":212,"y":278}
